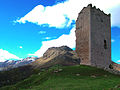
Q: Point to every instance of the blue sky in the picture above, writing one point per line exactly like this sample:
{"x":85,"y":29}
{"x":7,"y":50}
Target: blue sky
{"x":29,"y":27}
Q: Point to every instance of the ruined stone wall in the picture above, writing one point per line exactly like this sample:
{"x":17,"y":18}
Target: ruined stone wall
{"x":82,"y":35}
{"x":93,"y":37}
{"x":100,"y":38}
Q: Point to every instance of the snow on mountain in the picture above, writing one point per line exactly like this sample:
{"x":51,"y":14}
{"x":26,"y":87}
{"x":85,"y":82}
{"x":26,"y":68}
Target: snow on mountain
{"x":8,"y":64}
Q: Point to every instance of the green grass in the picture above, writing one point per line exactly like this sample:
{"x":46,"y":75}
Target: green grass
{"x":70,"y":78}
{"x":15,"y":75}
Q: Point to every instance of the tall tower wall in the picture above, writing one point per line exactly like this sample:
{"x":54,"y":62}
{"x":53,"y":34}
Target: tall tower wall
{"x":93,"y":37}
{"x":100,"y":38}
{"x":83,"y":35}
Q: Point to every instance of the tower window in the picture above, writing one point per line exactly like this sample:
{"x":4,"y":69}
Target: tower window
{"x":105,"y":44}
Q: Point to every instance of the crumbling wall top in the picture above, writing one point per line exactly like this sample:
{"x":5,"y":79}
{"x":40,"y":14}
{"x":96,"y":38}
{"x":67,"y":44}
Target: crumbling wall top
{"x":94,"y":8}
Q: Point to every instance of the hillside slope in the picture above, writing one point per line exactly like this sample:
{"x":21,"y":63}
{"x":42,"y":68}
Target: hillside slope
{"x":15,"y":75}
{"x":56,"y":55}
{"x":78,"y":77}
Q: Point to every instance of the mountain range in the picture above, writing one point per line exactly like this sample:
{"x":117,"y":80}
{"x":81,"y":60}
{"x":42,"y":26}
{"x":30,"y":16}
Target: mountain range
{"x":55,"y":55}
{"x":15,"y":71}
{"x":9,"y":64}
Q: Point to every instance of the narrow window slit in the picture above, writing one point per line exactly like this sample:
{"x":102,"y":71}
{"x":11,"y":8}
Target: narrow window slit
{"x":105,"y":44}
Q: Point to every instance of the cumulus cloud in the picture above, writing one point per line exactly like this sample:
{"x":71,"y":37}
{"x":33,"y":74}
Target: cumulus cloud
{"x":68,"y":40}
{"x":56,"y":15}
{"x":5,"y":55}
{"x":115,"y":16}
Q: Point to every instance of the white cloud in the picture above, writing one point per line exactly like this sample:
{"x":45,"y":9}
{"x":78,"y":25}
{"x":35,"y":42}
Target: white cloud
{"x":115,"y":17}
{"x":112,"y":40}
{"x":68,"y":40}
{"x":55,"y":16}
{"x":20,"y":47}
{"x":42,"y":32}
{"x":5,"y":55}
{"x":48,"y":38}
{"x":31,"y":55}
{"x":118,"y":61}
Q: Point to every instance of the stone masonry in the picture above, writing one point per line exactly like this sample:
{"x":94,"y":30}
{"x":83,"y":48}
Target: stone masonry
{"x":93,"y":37}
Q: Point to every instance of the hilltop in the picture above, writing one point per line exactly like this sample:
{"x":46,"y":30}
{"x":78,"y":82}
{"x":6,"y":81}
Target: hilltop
{"x":78,"y":77}
{"x":57,"y":55}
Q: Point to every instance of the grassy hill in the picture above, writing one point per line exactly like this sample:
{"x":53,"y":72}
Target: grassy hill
{"x":69,"y":78}
{"x":15,"y":75}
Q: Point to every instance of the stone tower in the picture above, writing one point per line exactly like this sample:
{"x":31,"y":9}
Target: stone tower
{"x":93,"y":37}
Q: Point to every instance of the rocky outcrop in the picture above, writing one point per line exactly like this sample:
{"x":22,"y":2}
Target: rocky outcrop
{"x":57,"y":55}
{"x":115,"y":66}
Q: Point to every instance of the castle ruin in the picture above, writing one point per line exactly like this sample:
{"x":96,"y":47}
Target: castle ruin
{"x":93,"y":37}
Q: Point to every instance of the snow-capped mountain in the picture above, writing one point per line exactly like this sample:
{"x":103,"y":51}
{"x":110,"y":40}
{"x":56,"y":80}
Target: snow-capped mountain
{"x":8,"y":64}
